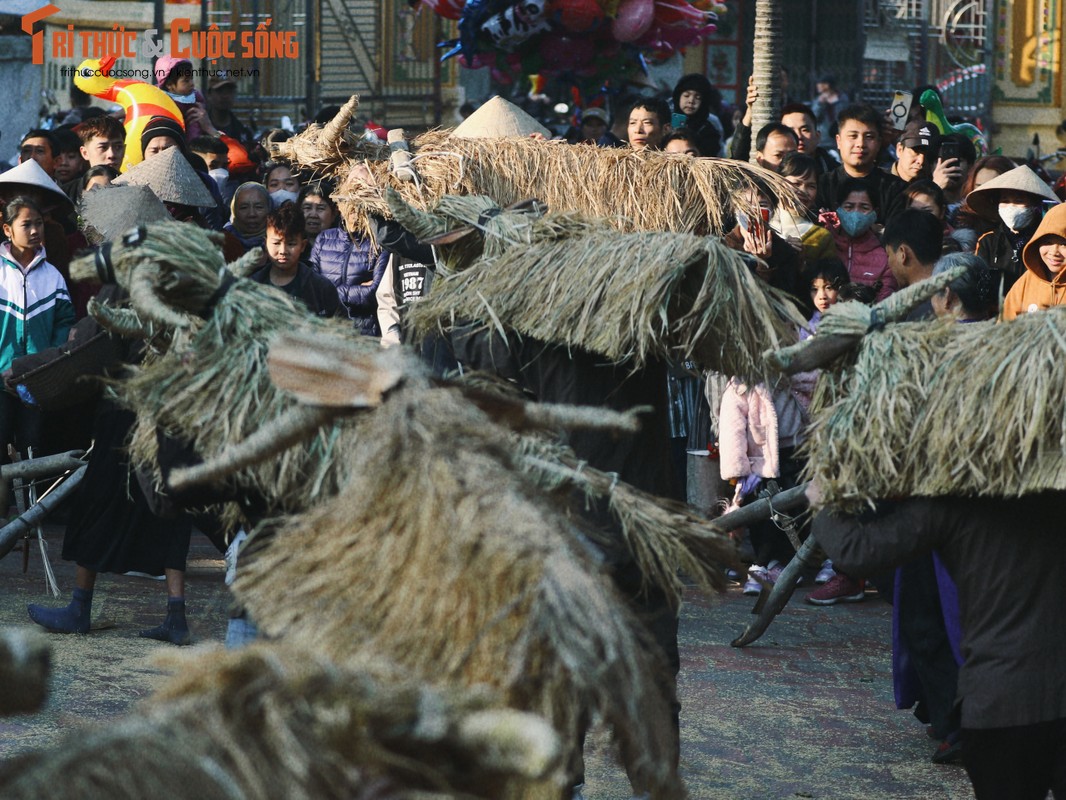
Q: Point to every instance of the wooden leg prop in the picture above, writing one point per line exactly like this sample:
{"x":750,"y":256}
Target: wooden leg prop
{"x":808,"y":556}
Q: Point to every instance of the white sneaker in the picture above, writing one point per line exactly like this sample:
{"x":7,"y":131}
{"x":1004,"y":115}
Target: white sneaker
{"x":826,"y":573}
{"x":751,"y":585}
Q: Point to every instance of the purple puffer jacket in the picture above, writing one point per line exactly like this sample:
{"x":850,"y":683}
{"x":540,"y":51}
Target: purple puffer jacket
{"x":355,"y":269}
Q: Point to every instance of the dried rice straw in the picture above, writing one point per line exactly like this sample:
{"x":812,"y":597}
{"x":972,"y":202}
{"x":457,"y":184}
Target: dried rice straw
{"x":475,"y":579}
{"x":935,"y":409}
{"x":629,"y":297}
{"x":636,"y":190}
{"x":269,"y":721}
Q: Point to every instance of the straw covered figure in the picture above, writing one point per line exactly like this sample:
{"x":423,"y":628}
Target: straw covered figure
{"x":271,"y":721}
{"x":430,"y":524}
{"x":634,"y":190}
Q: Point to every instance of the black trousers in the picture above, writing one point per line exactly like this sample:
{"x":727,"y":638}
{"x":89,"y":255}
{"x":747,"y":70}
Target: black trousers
{"x":1017,"y":763}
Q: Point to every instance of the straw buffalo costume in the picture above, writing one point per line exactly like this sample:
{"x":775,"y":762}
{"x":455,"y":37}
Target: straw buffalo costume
{"x":1012,"y":687}
{"x":356,"y":270}
{"x":1038,"y":288}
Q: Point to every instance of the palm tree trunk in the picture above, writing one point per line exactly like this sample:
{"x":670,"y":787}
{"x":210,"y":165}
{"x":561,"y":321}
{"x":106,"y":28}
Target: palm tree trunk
{"x":766,"y":65}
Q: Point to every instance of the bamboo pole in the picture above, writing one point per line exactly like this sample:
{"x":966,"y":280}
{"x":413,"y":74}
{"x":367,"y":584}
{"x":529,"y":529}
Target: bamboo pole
{"x":47,"y":466}
{"x":23,"y":524}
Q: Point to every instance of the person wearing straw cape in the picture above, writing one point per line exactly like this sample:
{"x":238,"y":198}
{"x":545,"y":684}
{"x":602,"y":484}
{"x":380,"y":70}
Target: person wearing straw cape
{"x":1011,"y":685}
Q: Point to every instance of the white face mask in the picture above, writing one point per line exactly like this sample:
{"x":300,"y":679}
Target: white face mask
{"x":1017,"y":217}
{"x":282,"y":196}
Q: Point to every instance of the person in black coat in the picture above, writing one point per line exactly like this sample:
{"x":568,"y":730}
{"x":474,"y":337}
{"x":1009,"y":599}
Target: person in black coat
{"x":285,"y":268}
{"x":1012,"y":686}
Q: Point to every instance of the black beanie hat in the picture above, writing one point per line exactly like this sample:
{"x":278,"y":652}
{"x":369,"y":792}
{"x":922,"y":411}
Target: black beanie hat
{"x":162,"y":126}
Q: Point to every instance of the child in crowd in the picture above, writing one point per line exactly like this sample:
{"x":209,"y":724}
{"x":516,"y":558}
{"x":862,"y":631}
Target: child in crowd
{"x":852,"y":226}
{"x":801,"y":229}
{"x":37,"y":312}
{"x":285,"y":268}
{"x":174,"y":76}
{"x":761,"y":428}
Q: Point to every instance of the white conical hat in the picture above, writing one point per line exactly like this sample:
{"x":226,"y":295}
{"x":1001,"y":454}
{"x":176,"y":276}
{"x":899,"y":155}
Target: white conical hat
{"x":498,"y":119}
{"x":171,"y":177}
{"x":983,"y":200}
{"x":107,"y":212}
{"x":30,"y":173}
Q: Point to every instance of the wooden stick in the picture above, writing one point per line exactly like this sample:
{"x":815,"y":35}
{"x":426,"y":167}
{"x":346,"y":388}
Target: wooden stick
{"x":806,"y":557}
{"x":34,"y":516}
{"x":43,"y":467}
{"x":760,"y":509}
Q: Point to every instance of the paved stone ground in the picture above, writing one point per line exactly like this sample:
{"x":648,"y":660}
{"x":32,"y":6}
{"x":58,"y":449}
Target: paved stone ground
{"x":804,"y":712}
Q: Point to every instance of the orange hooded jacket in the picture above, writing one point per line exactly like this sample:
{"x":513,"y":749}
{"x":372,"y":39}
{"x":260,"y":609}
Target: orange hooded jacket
{"x":1038,"y":288}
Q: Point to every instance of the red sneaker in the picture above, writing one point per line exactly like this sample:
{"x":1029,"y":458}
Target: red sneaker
{"x":838,"y":589}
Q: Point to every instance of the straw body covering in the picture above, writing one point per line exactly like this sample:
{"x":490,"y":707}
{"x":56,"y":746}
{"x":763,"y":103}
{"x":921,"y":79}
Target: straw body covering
{"x":635,"y":190}
{"x":269,"y":721}
{"x":472,"y":567}
{"x":170,"y":176}
{"x":938,"y":408}
{"x":499,"y":119}
{"x":630,"y":297}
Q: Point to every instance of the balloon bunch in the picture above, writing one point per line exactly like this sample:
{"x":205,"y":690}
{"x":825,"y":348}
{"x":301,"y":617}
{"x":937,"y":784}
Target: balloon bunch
{"x":584,"y":37}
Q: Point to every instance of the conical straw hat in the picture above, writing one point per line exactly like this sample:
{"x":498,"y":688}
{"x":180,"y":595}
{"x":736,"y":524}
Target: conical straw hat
{"x":1020,"y":179}
{"x":31,"y":174}
{"x":498,"y":119}
{"x":109,"y":211}
{"x":171,"y":177}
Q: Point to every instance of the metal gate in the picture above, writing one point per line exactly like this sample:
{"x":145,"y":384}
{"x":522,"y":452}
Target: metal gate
{"x":941,"y":42}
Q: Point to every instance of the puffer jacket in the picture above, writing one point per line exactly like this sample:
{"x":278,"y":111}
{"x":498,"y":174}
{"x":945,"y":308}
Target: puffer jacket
{"x":355,"y":268}
{"x":864,"y":257}
{"x":36,"y":312}
{"x":1038,"y":288}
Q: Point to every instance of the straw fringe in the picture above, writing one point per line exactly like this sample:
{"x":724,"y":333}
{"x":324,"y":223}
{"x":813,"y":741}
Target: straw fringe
{"x":629,"y":297}
{"x":269,"y":721}
{"x":516,"y":603}
{"x":934,"y":409}
{"x":637,"y":190}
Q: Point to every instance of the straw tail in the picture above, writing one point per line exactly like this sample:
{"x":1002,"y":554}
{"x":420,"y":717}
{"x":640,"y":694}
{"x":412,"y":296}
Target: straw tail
{"x":666,"y":539}
{"x":267,"y":722}
{"x":766,"y":64}
{"x":478,"y":578}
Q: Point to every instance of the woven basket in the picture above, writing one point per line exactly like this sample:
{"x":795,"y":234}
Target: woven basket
{"x":68,"y":379}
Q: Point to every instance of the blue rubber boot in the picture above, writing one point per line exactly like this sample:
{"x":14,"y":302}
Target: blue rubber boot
{"x":69,"y":619}
{"x":174,"y":628}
